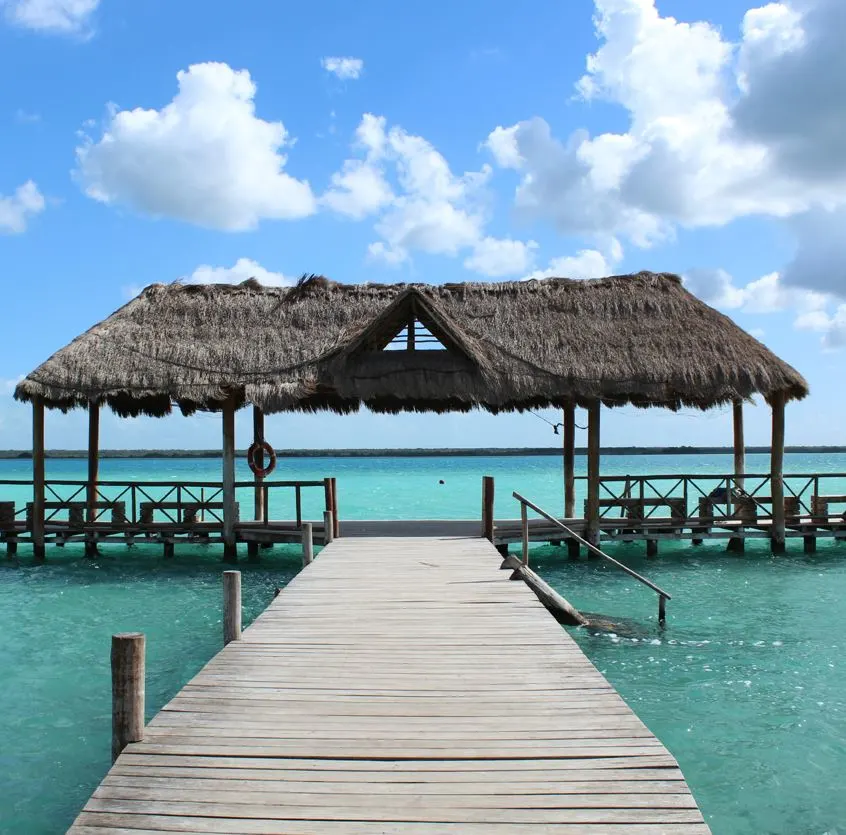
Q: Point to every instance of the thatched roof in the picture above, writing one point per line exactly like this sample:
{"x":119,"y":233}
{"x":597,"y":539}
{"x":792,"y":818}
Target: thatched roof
{"x":640,"y":339}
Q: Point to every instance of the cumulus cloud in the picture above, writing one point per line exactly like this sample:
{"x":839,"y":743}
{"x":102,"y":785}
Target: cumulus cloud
{"x":344,"y":68}
{"x":713,"y":134}
{"x":67,"y":16}
{"x":587,"y":263}
{"x":204,"y":158}
{"x":419,"y":203}
{"x":499,"y":257}
{"x":241,"y":270}
{"x":18,"y":209}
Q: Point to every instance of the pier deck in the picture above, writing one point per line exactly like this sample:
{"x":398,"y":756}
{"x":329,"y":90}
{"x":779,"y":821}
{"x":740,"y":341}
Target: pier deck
{"x":397,"y":685}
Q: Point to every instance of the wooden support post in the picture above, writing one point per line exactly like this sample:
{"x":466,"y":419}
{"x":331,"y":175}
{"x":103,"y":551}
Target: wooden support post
{"x":502,"y":549}
{"x":662,"y":609}
{"x":569,"y":453}
{"x":809,"y":542}
{"x":230,"y":550}
{"x":38,"y":480}
{"x":168,"y":549}
{"x":253,"y":551}
{"x":258,"y":437}
{"x":127,"y":690}
{"x":739,"y":445}
{"x":93,"y":474}
{"x":592,"y":530}
{"x":736,"y":545}
{"x":488,"y":488}
{"x":777,"y":474}
{"x":524,"y":529}
{"x":308,"y":544}
{"x":336,"y":519}
{"x":573,"y":549}
{"x":328,"y":527}
{"x":651,"y":547}
{"x":231,"y":606}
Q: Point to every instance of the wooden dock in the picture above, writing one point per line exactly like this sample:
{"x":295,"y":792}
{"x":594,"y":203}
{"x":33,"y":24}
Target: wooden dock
{"x":397,"y":686}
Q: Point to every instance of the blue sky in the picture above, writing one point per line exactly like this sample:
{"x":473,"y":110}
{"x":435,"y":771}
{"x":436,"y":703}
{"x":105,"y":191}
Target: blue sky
{"x":435,"y":142}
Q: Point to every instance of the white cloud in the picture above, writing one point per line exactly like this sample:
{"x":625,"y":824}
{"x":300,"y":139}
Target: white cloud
{"x":501,"y":257}
{"x":345,"y":68}
{"x":419,"y":203}
{"x":713,"y":132}
{"x":20,"y":207}
{"x":241,"y":270}
{"x":68,"y":16}
{"x":204,"y":158}
{"x":587,"y":263}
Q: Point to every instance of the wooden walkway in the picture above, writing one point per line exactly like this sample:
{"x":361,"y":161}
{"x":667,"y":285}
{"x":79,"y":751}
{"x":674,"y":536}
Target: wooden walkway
{"x":397,"y":686}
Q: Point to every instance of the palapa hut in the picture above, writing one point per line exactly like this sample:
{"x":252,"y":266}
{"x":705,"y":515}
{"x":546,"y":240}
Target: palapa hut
{"x":641,"y":339}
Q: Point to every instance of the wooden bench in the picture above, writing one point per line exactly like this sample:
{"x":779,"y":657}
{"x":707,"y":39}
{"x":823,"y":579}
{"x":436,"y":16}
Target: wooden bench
{"x":77,"y":511}
{"x":190,"y":511}
{"x":819,"y":505}
{"x":635,"y":508}
{"x":746,"y":508}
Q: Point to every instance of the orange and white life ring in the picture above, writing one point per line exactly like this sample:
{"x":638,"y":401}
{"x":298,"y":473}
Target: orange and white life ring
{"x":266,"y":451}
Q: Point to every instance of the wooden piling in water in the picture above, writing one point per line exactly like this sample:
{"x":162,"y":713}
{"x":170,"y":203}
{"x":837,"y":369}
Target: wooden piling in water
{"x":308,"y":544}
{"x":127,"y":690}
{"x":777,"y":475}
{"x":231,"y":606}
{"x":38,"y":479}
{"x":328,"y":527}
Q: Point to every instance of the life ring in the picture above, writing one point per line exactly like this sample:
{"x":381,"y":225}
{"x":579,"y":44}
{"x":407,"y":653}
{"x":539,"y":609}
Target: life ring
{"x":265,"y":449}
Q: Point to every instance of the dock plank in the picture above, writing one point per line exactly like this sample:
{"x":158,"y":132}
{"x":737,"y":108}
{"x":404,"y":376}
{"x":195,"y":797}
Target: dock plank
{"x":397,"y":685}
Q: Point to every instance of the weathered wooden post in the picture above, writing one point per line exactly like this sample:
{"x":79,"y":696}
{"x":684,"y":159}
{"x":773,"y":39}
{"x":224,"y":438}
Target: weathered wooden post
{"x":488,"y":487}
{"x":777,"y":474}
{"x":258,"y":437}
{"x":328,"y":527}
{"x":127,"y":690}
{"x":231,"y":606}
{"x":592,"y":527}
{"x":524,"y":530}
{"x":38,"y":479}
{"x":569,"y":455}
{"x":662,"y":609}
{"x":336,"y":519}
{"x":93,"y":475}
{"x":308,"y":544}
{"x":230,"y":549}
{"x":739,"y":445}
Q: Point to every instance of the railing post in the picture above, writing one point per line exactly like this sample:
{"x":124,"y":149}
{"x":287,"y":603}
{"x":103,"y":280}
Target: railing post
{"x":592,"y":527}
{"x":231,"y":606}
{"x":336,"y":520}
{"x":488,"y":488}
{"x":328,"y":527}
{"x":524,"y":528}
{"x":777,"y":474}
{"x":308,"y":544}
{"x":127,"y":690}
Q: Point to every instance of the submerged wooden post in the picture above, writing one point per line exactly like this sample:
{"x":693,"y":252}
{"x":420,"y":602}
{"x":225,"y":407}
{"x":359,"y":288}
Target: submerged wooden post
{"x":93,"y":473}
{"x":739,"y":445}
{"x":258,"y":437}
{"x":308,"y":544}
{"x":569,"y":454}
{"x":488,"y":487}
{"x":127,"y":690}
{"x":662,"y":609}
{"x":38,"y":479}
{"x":328,"y":527}
{"x":230,"y":550}
{"x":592,"y":529}
{"x":231,"y":606}
{"x":777,"y":474}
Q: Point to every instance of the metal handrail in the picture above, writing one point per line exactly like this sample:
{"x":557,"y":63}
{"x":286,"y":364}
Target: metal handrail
{"x":663,"y":596}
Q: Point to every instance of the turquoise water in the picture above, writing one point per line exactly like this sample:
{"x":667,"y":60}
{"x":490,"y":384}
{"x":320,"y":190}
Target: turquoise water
{"x":746,"y":685}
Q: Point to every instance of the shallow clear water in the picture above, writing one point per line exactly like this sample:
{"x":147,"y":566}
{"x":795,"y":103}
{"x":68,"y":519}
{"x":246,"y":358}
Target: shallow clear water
{"x":746,"y":686}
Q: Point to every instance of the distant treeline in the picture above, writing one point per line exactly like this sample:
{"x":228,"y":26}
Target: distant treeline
{"x":412,"y":453}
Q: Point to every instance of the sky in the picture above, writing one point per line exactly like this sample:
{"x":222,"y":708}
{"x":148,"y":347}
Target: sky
{"x":438,"y":141}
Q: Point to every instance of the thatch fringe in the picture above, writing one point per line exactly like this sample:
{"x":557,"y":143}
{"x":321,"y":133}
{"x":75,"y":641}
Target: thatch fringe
{"x":640,"y":339}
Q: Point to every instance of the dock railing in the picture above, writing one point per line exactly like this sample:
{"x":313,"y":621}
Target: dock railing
{"x":526,"y":505}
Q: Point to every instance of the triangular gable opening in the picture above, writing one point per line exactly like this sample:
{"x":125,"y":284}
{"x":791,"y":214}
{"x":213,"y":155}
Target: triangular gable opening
{"x":411,"y":324}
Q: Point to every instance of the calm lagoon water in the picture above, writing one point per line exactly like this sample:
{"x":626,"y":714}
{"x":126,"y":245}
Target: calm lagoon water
{"x":746,"y":686}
